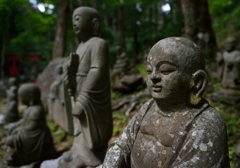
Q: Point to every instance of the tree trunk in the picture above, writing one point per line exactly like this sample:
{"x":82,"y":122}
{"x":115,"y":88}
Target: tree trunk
{"x":198,"y":26}
{"x":61,"y":32}
{"x":159,"y":17}
{"x":80,"y":2}
{"x":96,"y":4}
{"x":176,"y":11}
{"x":5,"y":37}
{"x":135,"y":36}
{"x":121,"y":26}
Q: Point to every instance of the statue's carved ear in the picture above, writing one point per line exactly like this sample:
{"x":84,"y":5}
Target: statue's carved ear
{"x":96,"y":25}
{"x":199,"y":82}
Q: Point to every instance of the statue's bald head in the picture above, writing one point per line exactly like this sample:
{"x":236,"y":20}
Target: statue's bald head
{"x":182,"y":51}
{"x":29,"y":92}
{"x":89,"y":15}
{"x":12,"y":81}
{"x":231,"y":40}
{"x":230,"y":44}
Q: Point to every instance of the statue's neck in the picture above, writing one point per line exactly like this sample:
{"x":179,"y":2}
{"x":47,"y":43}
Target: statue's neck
{"x":86,"y":38}
{"x":170,"y":109}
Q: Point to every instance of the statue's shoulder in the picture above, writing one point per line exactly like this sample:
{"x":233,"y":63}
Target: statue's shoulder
{"x":97,"y":41}
{"x":145,"y":107}
{"x":210,"y":119}
{"x":36,"y":112}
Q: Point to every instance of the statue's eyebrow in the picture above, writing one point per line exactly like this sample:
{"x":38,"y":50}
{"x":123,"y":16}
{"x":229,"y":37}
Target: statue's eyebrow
{"x":166,"y":62}
{"x":77,"y":14}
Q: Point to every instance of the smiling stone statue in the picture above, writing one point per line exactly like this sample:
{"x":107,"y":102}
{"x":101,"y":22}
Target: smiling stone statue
{"x":177,"y":127}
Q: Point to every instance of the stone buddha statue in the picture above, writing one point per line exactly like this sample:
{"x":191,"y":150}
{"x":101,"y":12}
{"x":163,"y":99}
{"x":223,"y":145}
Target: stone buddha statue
{"x":230,"y":75}
{"x":87,"y":92}
{"x":29,"y":140}
{"x":177,"y":127}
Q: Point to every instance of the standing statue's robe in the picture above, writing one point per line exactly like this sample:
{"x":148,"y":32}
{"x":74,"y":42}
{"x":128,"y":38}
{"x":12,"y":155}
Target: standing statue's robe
{"x":195,"y":138}
{"x":93,"y":94}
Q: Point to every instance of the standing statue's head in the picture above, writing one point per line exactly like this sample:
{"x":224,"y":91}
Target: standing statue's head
{"x":86,"y":22}
{"x":12,"y":81}
{"x":230,"y":44}
{"x":176,"y":72}
{"x":29,"y":94}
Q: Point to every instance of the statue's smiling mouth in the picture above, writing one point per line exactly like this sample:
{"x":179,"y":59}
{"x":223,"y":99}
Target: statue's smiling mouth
{"x":156,"y":88}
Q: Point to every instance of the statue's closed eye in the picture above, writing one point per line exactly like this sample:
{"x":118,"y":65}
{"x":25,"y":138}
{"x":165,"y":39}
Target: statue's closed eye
{"x":167,"y":68}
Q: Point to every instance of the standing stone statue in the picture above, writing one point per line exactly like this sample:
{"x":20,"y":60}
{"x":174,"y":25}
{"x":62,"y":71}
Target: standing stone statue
{"x":177,"y":127}
{"x":230,"y":83}
{"x":29,"y":139}
{"x":87,"y":92}
{"x":11,"y":112}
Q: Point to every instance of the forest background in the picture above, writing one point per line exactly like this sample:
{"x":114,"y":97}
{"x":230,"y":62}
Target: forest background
{"x":45,"y":27}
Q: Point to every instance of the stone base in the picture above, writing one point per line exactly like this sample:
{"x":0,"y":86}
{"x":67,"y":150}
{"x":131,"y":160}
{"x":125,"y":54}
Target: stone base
{"x":50,"y":163}
{"x":228,"y":96}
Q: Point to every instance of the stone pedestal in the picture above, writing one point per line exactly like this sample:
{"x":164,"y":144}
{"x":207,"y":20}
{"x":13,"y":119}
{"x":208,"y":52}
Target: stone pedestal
{"x":228,"y":96}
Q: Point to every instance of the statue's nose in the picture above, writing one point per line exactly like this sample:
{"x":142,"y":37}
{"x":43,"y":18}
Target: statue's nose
{"x":155,"y":77}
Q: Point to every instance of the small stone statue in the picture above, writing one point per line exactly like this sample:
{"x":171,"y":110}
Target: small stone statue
{"x":87,"y":92}
{"x":56,"y":105}
{"x":177,"y":127}
{"x":124,"y":77}
{"x":29,"y":139}
{"x":54,"y":88}
{"x":11,"y":112}
{"x":230,"y":62}
{"x":122,"y":63}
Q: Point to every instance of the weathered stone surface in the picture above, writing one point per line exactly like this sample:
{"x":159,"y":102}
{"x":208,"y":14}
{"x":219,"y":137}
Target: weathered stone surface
{"x":177,"y":127}
{"x":29,"y":140}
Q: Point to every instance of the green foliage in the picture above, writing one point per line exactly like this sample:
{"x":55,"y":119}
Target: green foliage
{"x":1,"y":154}
{"x":116,"y":95}
{"x":142,"y":69}
{"x":58,"y":134}
{"x":225,"y":19}
{"x":120,"y":121}
{"x":232,"y":123}
{"x":26,"y":29}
